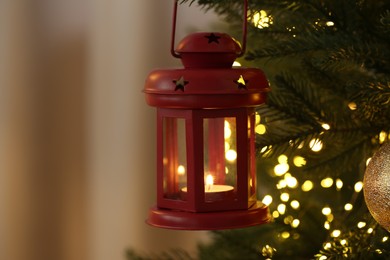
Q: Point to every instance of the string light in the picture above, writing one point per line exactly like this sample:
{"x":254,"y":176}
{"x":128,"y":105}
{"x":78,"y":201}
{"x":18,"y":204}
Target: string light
{"x":267,"y":200}
{"x":260,"y":129}
{"x":327,"y":246}
{"x":339,"y":184}
{"x":236,"y":64}
{"x":285,"y":234}
{"x":336,"y":233}
{"x":275,"y":214}
{"x":231,"y":155}
{"x":281,"y":209}
{"x":295,"y":204}
{"x":284,"y":197}
{"x":325,"y":126}
{"x":358,"y":186}
{"x":316,"y":145}
{"x":327,"y":225}
{"x":299,"y":161}
{"x":327,"y":182}
{"x":326,"y":211}
{"x":352,"y":106}
{"x":261,"y":19}
{"x":382,"y":137}
{"x":370,"y":230}
{"x":307,"y":186}
{"x":348,"y":207}
{"x":384,"y":239}
{"x":361,"y":224}
{"x":295,"y":223}
{"x":291,"y":181}
{"x":281,"y":169}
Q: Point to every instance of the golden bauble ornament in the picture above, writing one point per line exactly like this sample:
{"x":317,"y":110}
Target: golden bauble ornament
{"x":376,"y":186}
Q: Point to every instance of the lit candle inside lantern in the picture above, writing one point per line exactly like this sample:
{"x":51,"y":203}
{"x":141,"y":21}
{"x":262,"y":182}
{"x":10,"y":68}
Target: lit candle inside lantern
{"x":209,"y":183}
{"x":212,"y":191}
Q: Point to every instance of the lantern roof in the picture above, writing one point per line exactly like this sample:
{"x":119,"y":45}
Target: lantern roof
{"x":206,"y":88}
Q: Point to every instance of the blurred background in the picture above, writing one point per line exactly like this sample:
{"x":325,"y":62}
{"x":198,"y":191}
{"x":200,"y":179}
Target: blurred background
{"x":77,"y":140}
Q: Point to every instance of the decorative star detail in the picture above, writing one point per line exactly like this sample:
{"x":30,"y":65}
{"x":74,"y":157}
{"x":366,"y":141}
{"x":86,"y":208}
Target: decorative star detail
{"x":180,"y":83}
{"x":241,"y":82}
{"x":213,"y":38}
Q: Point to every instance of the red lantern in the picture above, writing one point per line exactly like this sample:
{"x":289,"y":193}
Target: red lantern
{"x":206,"y":168}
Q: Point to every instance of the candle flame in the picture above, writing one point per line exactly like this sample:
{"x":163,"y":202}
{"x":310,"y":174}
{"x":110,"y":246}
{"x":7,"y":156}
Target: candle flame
{"x":209,"y":181}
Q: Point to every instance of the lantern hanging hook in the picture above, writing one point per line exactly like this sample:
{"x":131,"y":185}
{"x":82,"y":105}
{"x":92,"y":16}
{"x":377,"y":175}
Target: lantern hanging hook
{"x":244,"y":30}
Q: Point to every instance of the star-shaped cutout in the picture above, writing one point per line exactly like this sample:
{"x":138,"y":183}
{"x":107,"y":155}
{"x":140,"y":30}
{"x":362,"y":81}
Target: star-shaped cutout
{"x":241,"y":82}
{"x":180,"y":83}
{"x":213,"y":38}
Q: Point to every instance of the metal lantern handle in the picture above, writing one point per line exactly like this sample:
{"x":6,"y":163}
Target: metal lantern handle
{"x":244,"y":30}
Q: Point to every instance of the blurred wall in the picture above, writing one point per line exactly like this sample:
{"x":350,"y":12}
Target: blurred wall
{"x":77,"y":140}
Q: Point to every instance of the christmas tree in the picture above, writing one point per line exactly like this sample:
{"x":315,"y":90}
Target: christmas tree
{"x":328,"y":64}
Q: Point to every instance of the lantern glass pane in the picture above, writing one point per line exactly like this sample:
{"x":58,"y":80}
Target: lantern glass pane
{"x":252,"y":123}
{"x":220,"y":157}
{"x":174,"y":157}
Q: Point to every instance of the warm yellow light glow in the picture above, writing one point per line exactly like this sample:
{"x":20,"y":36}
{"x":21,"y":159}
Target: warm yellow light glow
{"x":339,"y":184}
{"x":327,"y":225}
{"x":227,"y":146}
{"x":295,"y":204}
{"x":284,"y":197}
{"x":330,"y":218}
{"x":261,"y":19}
{"x":281,"y":184}
{"x":236,"y":64}
{"x":368,"y":161}
{"x":326,"y":211}
{"x":295,"y":223}
{"x":181,"y":170}
{"x":227,"y":133}
{"x":267,"y":200}
{"x":285,"y":235}
{"x":327,"y":246}
{"x":257,"y":118}
{"x":382,"y":137}
{"x":231,"y":155}
{"x":227,"y":130}
{"x":260,"y":129}
{"x":361,"y":224}
{"x":370,"y":230}
{"x":281,"y":169}
{"x":343,"y":242}
{"x":316,"y":145}
{"x":291,"y":181}
{"x":327,"y":182}
{"x":282,"y":209}
{"x":384,"y":239}
{"x":299,"y":161}
{"x":275,"y":214}
{"x":264,"y":149}
{"x":329,"y":23}
{"x":323,"y":257}
{"x":358,"y":186}
{"x":288,"y":219}
{"x":325,"y":126}
{"x":307,"y":186}
{"x":352,"y":106}
{"x":282,"y":158}
{"x":336,"y":233}
{"x":348,"y":207}
{"x":209,"y":179}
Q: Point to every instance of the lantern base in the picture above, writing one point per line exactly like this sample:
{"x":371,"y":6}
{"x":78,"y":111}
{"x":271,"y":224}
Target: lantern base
{"x":182,"y":220}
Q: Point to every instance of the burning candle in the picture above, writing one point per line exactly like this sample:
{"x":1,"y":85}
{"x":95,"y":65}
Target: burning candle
{"x":212,"y":191}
